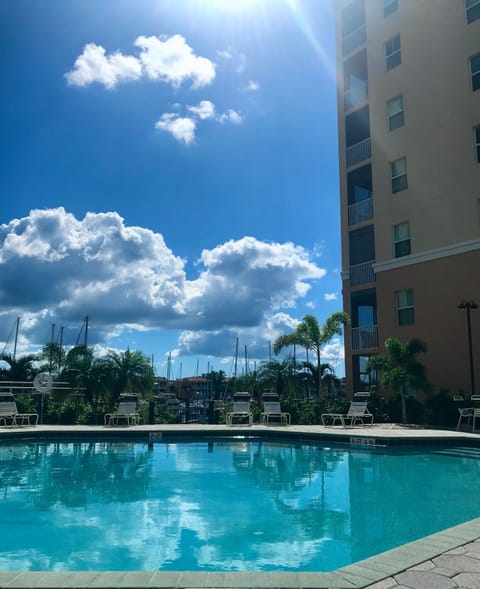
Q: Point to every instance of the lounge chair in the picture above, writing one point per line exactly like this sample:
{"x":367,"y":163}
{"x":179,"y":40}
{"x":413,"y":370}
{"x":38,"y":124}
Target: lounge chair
{"x":271,"y":408}
{"x":357,"y":413}
{"x":241,"y":408}
{"x":9,"y":414}
{"x":126,"y":412}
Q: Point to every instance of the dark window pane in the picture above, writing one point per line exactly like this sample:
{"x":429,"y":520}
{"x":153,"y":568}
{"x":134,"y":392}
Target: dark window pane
{"x":396,"y":121}
{"x":473,"y":10}
{"x":362,"y":245}
{"x":399,"y":183}
{"x":389,"y":7}
{"x":406,"y":316}
{"x":402,"y":248}
{"x":394,"y":60}
{"x":475,"y":69}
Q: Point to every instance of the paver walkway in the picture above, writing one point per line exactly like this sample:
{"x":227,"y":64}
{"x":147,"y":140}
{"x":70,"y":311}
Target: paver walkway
{"x":459,"y":567}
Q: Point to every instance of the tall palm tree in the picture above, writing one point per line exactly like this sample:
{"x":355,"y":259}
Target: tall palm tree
{"x":399,"y":368}
{"x":313,"y":336}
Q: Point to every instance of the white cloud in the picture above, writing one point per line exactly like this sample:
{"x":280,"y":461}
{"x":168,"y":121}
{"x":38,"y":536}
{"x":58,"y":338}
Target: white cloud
{"x":225,"y":53}
{"x":172,"y":60}
{"x":310,"y":305}
{"x":231,"y":116}
{"x":252,"y":86}
{"x":334,"y":353}
{"x":204,"y":110}
{"x":166,"y":59}
{"x":56,"y":268}
{"x":182,"y":128}
{"x":94,"y":66}
{"x":332,"y":296}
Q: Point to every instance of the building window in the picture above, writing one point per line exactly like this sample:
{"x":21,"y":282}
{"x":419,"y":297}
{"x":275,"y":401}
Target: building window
{"x":398,"y":173}
{"x":393,"y":56}
{"x":401,"y":240}
{"x":472,"y":8}
{"x":395,"y":113}
{"x":477,"y":143}
{"x":475,"y":69}
{"x":390,"y":6}
{"x":405,"y":308}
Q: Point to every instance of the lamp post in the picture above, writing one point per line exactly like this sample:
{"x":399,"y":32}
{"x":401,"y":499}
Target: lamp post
{"x":469,"y":306}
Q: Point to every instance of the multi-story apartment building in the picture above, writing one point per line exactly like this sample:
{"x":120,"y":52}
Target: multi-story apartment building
{"x":409,"y":138}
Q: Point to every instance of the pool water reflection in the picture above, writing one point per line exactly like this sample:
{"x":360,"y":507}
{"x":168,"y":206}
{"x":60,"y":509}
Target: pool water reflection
{"x":223,"y":505}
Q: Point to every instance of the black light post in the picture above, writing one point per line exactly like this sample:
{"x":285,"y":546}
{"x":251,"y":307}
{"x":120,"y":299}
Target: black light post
{"x":470,"y":305}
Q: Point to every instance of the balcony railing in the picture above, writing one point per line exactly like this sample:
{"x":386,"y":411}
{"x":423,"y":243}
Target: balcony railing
{"x":364,"y":338}
{"x":359,"y":152}
{"x":362,"y":274}
{"x":355,"y":95}
{"x":354,"y":39}
{"x":360,"y":211}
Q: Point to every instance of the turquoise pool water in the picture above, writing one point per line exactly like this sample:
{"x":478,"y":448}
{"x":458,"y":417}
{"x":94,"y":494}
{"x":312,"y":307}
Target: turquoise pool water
{"x":230,"y":505}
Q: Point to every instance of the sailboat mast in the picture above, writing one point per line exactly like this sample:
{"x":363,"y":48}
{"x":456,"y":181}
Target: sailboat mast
{"x":16,"y":338}
{"x":235,"y":369}
{"x":85,"y":339}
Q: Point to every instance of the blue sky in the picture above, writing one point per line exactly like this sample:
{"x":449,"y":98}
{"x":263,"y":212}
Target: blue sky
{"x":168,"y":168}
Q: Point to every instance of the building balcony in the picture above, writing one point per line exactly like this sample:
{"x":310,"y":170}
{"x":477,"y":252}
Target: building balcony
{"x":355,"y":95}
{"x":355,"y":39}
{"x":359,"y":152}
{"x":362,"y":274}
{"x":364,"y":338}
{"x":360,"y":211}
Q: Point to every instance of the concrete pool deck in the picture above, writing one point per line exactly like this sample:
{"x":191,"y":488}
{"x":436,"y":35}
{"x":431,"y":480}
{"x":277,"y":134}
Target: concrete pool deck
{"x":446,"y":560}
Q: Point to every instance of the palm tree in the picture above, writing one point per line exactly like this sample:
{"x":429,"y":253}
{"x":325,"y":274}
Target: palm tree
{"x":399,"y":368}
{"x":131,"y":372}
{"x":19,"y":369}
{"x":313,"y":336}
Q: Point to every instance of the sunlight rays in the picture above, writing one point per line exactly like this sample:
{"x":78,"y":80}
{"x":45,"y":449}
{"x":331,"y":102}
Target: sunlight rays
{"x":303,"y":22}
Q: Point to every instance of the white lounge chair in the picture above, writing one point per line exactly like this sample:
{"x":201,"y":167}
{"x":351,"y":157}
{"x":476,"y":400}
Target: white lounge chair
{"x":357,"y":413}
{"x":241,"y":409}
{"x":126,"y":412}
{"x":9,"y":414}
{"x":271,"y":408}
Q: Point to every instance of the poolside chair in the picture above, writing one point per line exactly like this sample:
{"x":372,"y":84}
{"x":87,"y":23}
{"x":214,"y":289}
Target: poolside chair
{"x":357,"y":413}
{"x":466,"y":413}
{"x":241,"y":409}
{"x":9,"y":414}
{"x":476,"y":415}
{"x":271,"y":408}
{"x":126,"y":413}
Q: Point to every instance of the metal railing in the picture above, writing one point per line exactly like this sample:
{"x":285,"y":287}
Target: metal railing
{"x":354,"y":39}
{"x":359,"y":152}
{"x":360,"y":211}
{"x":362,"y":274}
{"x":355,"y":95}
{"x":364,"y":338}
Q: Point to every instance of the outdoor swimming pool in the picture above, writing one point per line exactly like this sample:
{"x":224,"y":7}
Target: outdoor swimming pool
{"x":224,"y":505}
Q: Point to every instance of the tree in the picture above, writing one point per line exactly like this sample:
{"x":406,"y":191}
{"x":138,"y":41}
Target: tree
{"x":54,"y":354}
{"x":130,"y":372}
{"x":19,"y":369}
{"x":399,"y":368}
{"x":313,"y":336}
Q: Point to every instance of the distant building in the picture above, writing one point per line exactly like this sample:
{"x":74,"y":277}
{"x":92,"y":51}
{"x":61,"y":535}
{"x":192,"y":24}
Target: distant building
{"x":409,"y":139}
